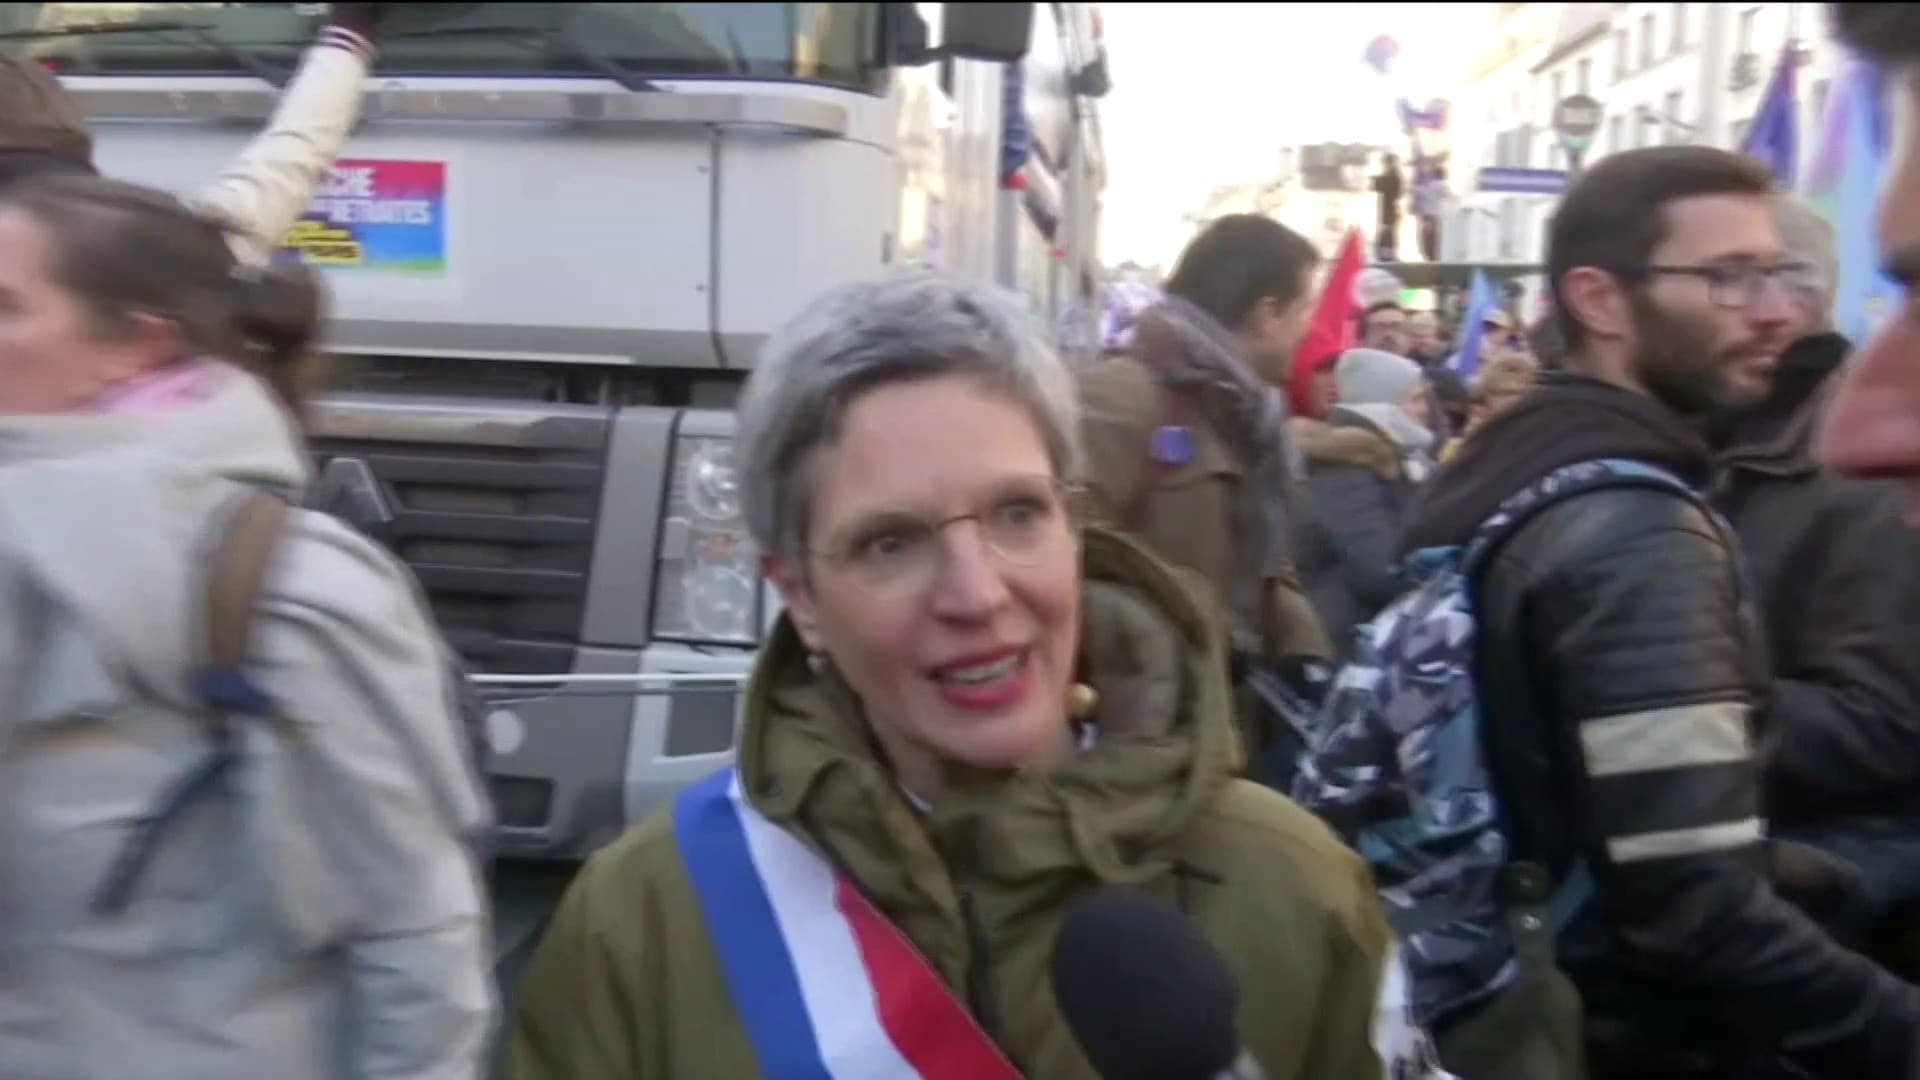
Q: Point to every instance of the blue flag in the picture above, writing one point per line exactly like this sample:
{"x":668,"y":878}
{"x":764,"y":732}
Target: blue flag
{"x":1774,"y":137}
{"x":1474,"y":328}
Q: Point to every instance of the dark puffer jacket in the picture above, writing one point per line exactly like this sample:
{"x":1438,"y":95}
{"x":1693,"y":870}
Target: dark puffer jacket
{"x":1356,"y":496}
{"x":1617,"y":667}
{"x":1837,"y":575}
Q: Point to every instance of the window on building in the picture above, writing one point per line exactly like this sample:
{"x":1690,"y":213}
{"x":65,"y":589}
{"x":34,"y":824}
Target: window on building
{"x":1649,"y":128}
{"x":1616,"y":135}
{"x":1749,"y":24}
{"x":1583,"y":76}
{"x":1646,"y":40}
{"x":1679,"y":36}
{"x":1559,"y":88}
{"x":1619,"y":55}
{"x":1675,"y":132}
{"x":1510,"y":225}
{"x":1739,"y":131}
{"x":1510,"y":148}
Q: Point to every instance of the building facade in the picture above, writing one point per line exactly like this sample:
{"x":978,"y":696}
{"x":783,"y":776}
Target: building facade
{"x":1663,"y":73}
{"x":1494,"y":126}
{"x":1318,"y":190}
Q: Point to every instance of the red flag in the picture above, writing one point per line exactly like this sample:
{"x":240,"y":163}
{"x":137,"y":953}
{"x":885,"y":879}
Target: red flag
{"x":1333,"y":331}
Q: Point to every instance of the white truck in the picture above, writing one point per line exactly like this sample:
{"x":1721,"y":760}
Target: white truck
{"x":554,"y":244}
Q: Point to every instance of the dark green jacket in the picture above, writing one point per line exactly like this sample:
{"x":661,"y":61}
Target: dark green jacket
{"x":627,"y":985}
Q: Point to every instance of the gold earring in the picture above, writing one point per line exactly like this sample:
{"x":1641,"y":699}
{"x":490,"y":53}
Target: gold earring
{"x":817,"y":663}
{"x":1081,"y":700}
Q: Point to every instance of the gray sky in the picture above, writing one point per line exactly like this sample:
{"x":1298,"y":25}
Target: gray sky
{"x":1207,"y":94}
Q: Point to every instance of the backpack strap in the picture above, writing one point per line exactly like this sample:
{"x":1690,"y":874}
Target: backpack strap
{"x":251,"y":531}
{"x":1563,"y":483}
{"x":1537,"y":909}
{"x":238,"y":575}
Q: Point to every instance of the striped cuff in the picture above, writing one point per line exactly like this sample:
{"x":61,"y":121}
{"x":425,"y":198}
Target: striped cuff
{"x":339,"y":37}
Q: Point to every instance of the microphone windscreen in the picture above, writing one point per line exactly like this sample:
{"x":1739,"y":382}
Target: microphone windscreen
{"x":1144,"y":993}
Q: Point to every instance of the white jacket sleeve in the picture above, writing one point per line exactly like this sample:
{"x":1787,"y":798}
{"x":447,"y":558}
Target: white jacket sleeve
{"x":260,"y":194}
{"x":382,"y":801}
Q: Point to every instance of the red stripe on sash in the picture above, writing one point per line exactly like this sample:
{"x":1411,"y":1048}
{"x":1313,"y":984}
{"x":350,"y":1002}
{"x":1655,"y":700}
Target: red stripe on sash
{"x":928,"y":1025}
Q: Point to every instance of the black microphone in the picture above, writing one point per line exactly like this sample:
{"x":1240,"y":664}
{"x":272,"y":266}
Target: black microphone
{"x":1145,"y":995}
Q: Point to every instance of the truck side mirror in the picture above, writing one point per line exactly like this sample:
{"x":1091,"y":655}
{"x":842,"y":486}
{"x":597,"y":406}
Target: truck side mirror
{"x":986,"y":31}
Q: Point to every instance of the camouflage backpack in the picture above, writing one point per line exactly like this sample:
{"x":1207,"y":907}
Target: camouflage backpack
{"x":1395,"y":765}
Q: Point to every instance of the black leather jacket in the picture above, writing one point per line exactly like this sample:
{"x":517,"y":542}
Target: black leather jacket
{"x":1837,"y":574}
{"x":1619,"y":612}
{"x":1619,"y":663}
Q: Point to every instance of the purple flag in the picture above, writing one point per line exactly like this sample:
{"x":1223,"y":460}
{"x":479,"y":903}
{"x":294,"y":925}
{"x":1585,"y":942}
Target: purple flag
{"x":1774,"y":137}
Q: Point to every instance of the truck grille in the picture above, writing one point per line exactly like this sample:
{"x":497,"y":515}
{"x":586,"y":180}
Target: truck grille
{"x":492,"y":504}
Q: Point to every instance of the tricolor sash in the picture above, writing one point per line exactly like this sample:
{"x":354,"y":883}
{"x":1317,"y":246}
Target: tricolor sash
{"x":828,"y":989}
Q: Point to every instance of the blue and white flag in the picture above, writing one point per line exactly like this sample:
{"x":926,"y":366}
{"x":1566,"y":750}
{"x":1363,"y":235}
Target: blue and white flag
{"x":1473,"y":329}
{"x":1843,"y":183}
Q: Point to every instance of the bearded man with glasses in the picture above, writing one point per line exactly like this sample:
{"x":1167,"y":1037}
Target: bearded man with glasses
{"x":1616,"y":654}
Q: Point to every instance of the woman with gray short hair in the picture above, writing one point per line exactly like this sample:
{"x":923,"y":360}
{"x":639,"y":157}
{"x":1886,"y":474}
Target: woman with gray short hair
{"x":972,"y":713}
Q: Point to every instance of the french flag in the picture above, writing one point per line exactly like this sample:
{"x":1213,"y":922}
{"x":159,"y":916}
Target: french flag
{"x":827,"y":987}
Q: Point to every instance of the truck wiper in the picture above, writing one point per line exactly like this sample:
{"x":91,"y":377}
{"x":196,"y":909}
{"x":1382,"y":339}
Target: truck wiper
{"x":254,"y":66}
{"x":625,"y":77}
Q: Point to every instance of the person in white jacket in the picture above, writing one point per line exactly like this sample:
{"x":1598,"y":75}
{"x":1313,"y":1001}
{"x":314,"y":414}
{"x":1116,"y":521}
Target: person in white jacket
{"x":260,"y":193}
{"x":318,"y":913}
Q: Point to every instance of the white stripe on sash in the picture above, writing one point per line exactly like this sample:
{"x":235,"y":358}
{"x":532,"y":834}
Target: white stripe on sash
{"x":839,"y":993}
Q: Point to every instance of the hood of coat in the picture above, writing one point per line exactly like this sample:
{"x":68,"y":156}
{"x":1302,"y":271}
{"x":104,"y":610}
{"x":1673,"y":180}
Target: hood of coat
{"x":99,"y":513}
{"x":1776,"y":436}
{"x":1570,"y":418}
{"x":1347,"y":440}
{"x":1165,"y":745}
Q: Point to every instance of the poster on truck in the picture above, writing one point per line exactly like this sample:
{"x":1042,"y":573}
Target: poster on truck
{"x":375,"y":215}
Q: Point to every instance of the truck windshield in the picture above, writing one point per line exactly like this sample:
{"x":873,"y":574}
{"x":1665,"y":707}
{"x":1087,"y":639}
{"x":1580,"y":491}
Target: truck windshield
{"x":832,"y":43}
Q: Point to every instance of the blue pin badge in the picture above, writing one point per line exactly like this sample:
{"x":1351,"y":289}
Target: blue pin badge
{"x":1172,"y":445}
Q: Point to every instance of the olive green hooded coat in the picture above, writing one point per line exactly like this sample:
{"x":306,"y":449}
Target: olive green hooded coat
{"x":628,"y":986}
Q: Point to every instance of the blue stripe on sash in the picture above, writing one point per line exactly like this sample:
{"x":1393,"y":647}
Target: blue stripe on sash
{"x":745,"y":931}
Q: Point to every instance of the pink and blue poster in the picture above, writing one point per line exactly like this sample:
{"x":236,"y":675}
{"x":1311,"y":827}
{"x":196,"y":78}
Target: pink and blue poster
{"x":388,"y":216}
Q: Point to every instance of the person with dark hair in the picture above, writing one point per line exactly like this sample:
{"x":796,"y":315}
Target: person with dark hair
{"x":1872,"y":426}
{"x":1837,"y":576}
{"x":1426,"y":341}
{"x":1617,"y":662}
{"x":1388,"y":186}
{"x":1186,"y":434}
{"x":1384,"y":326}
{"x":261,"y":193}
{"x":238,"y":803}
{"x":1544,"y":341}
{"x":1447,"y":391}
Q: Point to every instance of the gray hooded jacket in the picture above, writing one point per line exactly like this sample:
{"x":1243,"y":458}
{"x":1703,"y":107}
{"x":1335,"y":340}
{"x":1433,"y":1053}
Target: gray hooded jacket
{"x":318,"y":918}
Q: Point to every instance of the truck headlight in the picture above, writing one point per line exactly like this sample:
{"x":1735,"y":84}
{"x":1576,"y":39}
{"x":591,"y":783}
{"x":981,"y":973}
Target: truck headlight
{"x":709,"y":578}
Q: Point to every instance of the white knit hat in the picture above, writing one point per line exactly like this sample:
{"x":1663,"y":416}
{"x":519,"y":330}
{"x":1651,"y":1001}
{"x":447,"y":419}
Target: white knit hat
{"x":1375,"y":286}
{"x":1374,"y":377}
